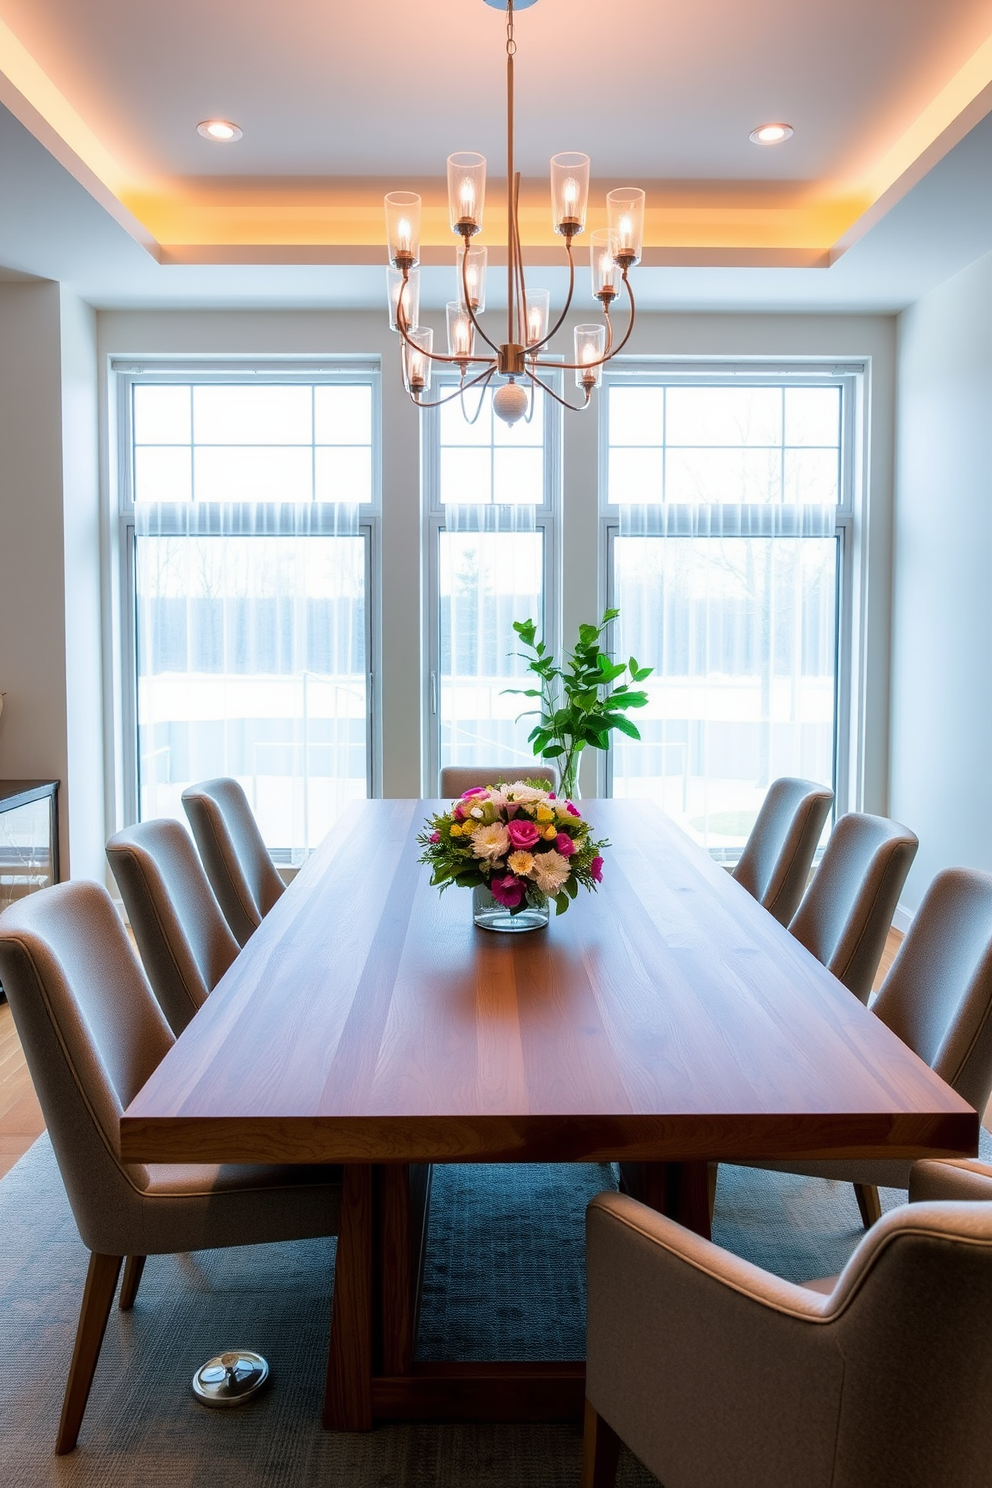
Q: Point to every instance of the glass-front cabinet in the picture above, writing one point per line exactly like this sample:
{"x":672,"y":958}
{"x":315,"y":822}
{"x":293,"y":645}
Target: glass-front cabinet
{"x":29,"y":850}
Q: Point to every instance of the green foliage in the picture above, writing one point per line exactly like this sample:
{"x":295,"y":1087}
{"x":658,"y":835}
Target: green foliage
{"x":580,"y":703}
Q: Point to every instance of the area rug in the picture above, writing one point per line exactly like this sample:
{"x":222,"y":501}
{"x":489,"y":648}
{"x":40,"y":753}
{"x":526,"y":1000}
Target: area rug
{"x":505,"y":1278}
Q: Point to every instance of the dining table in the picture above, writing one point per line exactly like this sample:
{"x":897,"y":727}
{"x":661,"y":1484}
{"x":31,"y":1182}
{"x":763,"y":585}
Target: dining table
{"x":665,"y":1022}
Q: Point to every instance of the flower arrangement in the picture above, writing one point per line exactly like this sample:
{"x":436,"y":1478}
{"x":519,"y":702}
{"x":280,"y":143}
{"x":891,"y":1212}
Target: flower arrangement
{"x":520,"y":841}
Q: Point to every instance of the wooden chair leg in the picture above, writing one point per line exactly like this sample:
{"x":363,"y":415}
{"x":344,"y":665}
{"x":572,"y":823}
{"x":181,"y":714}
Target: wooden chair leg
{"x":600,"y":1451}
{"x":98,"y":1294}
{"x":869,"y":1205}
{"x":133,"y":1267}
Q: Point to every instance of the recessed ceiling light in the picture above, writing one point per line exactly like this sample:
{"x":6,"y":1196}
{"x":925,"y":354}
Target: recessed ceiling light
{"x":771,"y":134}
{"x":221,"y":131}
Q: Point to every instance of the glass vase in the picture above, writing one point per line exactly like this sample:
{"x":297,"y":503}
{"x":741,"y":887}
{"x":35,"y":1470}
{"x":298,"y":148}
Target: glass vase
{"x":489,"y":915}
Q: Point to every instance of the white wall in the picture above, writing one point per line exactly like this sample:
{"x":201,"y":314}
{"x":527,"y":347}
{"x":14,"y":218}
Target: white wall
{"x":250,"y":332}
{"x":941,"y":761}
{"x":32,"y":600}
{"x":49,"y":560}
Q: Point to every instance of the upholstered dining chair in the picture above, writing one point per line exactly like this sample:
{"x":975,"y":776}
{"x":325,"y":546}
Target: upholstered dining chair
{"x":937,"y":997}
{"x":182,"y":937}
{"x":238,"y":865}
{"x":92,"y":1034}
{"x":846,"y":912}
{"x":455,"y":779}
{"x":778,"y":854}
{"x":714,"y":1371}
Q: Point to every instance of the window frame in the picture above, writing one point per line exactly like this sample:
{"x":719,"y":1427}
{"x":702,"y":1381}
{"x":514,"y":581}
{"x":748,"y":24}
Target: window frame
{"x":852,"y":379}
{"x":547,"y":521}
{"x":125,"y":373}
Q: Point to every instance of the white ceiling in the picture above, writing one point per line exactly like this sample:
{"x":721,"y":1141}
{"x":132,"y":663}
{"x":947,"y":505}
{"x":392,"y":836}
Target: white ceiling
{"x":383,"y":87}
{"x":319,"y":91}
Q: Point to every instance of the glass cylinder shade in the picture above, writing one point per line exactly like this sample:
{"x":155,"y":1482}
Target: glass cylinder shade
{"x":475,"y":264}
{"x":602,"y":259}
{"x":569,"y":192}
{"x":466,"y":192}
{"x":461,"y":331}
{"x":590,"y":346}
{"x":403,"y":228}
{"x":417,"y":360}
{"x":625,"y":218}
{"x":411,"y":297}
{"x":538,"y":315}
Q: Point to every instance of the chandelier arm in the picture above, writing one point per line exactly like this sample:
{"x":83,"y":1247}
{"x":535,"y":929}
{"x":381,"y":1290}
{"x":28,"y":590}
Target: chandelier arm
{"x":433,"y":356}
{"x":575,"y":407}
{"x":533,"y":350}
{"x":468,"y":304}
{"x":482,"y":398}
{"x":462,"y":387}
{"x":521,"y":305}
{"x":630,"y":323}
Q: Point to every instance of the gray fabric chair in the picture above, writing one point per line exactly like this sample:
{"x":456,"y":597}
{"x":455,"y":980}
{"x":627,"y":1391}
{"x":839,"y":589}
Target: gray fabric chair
{"x":719,"y":1375}
{"x":847,"y":910}
{"x":456,"y":779}
{"x":182,"y":936}
{"x":937,"y":998}
{"x":92,"y":1034}
{"x":778,"y":854}
{"x":239,"y":868}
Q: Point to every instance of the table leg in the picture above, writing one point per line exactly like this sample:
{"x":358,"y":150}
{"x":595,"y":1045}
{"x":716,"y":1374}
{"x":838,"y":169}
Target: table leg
{"x":680,"y":1190}
{"x":402,"y":1214}
{"x":348,"y":1395}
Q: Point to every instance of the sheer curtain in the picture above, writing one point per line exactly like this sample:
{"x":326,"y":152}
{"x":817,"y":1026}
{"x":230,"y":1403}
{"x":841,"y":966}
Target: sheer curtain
{"x":251,"y":659}
{"x":491,"y":573}
{"x":727,"y":583}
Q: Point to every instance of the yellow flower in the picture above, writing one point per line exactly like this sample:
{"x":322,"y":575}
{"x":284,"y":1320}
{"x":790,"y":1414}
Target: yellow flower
{"x":545,"y":813}
{"x":550,"y":832}
{"x":520,"y":863}
{"x":454,"y":830}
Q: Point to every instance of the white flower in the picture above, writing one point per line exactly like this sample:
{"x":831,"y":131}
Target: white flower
{"x":550,"y":871}
{"x":490,"y":842}
{"x":477,"y":812}
{"x":519,"y":791}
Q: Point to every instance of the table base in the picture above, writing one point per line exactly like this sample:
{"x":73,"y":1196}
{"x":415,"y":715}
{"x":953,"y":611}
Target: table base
{"x":371,"y":1371}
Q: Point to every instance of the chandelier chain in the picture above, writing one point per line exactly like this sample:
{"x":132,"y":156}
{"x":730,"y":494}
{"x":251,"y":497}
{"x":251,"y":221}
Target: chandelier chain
{"x":511,"y":45}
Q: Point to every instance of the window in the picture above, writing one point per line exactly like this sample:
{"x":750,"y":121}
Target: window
{"x":248,"y":515}
{"x":728,"y":504}
{"x":491,"y":505}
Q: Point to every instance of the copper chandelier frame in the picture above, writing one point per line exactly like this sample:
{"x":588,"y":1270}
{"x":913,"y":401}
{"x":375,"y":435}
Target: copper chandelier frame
{"x":523,"y":356}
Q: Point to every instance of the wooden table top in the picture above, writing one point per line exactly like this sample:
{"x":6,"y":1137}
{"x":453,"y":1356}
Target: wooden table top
{"x":667,"y":1016}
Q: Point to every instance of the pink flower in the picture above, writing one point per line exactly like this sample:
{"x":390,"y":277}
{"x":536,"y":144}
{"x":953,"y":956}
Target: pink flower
{"x":523,"y":833}
{"x":475,"y":790}
{"x":552,"y":796}
{"x":572,"y":809}
{"x":507,"y":891}
{"x":435,"y":836}
{"x":458,"y":813}
{"x":565,"y":845}
{"x":596,"y":869}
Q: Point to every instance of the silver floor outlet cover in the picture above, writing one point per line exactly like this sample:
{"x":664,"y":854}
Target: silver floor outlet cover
{"x":231,"y":1378}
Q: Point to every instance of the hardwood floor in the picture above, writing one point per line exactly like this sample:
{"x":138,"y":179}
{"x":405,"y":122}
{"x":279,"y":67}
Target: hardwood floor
{"x":21,"y":1120}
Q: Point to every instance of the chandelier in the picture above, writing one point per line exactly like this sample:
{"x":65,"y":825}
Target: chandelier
{"x":520,"y":359}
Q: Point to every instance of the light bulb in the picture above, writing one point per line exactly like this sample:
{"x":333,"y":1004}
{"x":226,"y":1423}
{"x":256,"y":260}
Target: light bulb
{"x":626,"y":231}
{"x":535,"y":326}
{"x":468,"y":197}
{"x":570,"y":192}
{"x":404,"y":235}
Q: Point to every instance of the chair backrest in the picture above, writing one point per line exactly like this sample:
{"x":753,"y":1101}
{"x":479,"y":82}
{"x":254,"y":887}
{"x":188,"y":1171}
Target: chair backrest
{"x":847,"y":910}
{"x":92,"y":1034}
{"x":238,"y":865}
{"x":456,"y":779}
{"x":183,"y":938}
{"x":777,"y":856}
{"x":938,"y":994}
{"x":909,"y":1310}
